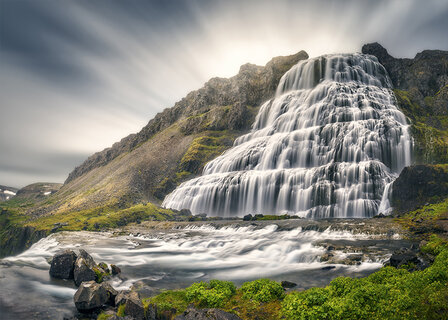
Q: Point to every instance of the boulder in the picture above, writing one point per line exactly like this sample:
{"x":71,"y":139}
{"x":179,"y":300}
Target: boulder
{"x":90,"y":296}
{"x":404,"y":257}
{"x":206,"y":314}
{"x":111,"y":292}
{"x":247,"y":217}
{"x":114,"y":269}
{"x":87,"y":258}
{"x":133,"y":305}
{"x":62,"y":265}
{"x":151,"y":312}
{"x":288,"y":284}
{"x":83,"y":272}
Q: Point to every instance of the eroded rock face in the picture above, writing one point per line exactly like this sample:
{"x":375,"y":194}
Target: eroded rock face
{"x":207,"y":314}
{"x":418,"y":185}
{"x":90,"y":295}
{"x":62,"y":265}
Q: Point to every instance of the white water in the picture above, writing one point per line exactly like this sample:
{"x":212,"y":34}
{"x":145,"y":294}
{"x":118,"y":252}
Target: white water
{"x":327,"y":145}
{"x":175,"y":259}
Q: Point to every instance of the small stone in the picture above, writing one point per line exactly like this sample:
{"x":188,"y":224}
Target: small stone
{"x":207,"y":314}
{"x":83,"y":272}
{"x":115,"y":270}
{"x":287,"y":284}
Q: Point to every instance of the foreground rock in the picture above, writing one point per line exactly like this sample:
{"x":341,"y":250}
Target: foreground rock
{"x":207,"y":314}
{"x":62,"y":265}
{"x":90,"y":296}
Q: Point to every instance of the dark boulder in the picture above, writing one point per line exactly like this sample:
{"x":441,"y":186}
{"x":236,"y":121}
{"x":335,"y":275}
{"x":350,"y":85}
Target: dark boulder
{"x":207,"y":314}
{"x":404,"y":257}
{"x":114,"y":269}
{"x":62,"y":265}
{"x":111,"y":292}
{"x":151,"y":312}
{"x":83,"y":272}
{"x":247,"y":217}
{"x":90,"y":296}
{"x":132,"y":304}
{"x":288,"y":284}
{"x":87,"y":258}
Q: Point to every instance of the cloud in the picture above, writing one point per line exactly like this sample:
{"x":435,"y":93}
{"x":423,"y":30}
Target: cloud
{"x":77,"y":76}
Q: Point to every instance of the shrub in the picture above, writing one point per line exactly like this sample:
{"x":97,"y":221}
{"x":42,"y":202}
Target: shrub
{"x":262,"y":290}
{"x":213,"y":294}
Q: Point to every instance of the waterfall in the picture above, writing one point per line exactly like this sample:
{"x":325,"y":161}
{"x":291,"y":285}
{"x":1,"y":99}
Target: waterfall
{"x":328,"y":145}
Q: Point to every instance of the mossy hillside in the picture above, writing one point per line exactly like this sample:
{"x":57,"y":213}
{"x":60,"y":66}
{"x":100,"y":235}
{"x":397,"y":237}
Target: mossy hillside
{"x":429,"y":125}
{"x":203,"y":149}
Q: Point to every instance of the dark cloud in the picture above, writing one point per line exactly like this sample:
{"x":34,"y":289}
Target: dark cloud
{"x":78,"y":75}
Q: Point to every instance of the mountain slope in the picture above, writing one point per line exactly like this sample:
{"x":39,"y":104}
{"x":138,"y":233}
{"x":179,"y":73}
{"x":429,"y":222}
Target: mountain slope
{"x":174,"y":145}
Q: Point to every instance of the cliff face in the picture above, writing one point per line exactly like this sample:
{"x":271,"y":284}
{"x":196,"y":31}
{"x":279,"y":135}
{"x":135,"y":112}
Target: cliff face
{"x":421,"y":88}
{"x":175,"y":144}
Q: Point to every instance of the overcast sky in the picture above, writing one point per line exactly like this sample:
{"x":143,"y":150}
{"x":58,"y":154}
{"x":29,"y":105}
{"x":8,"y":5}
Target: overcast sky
{"x":77,"y":76}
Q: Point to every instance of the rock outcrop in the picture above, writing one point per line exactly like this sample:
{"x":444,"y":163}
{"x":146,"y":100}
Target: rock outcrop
{"x":421,"y":88}
{"x":418,"y":185}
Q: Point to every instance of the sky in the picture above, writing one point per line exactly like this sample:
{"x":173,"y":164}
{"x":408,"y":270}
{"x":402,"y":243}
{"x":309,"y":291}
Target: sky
{"x":78,"y":75}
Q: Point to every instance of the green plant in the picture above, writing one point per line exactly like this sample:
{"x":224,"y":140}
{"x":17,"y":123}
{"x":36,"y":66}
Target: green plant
{"x":262,"y":290}
{"x":213,"y":294}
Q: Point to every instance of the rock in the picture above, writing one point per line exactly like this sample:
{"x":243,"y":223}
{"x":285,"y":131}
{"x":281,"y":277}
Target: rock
{"x":114,"y":269}
{"x":111,"y":292}
{"x":206,"y":314}
{"x":87,"y":257}
{"x":151,"y":312}
{"x":134,"y":308}
{"x":62,"y":265}
{"x":403,"y":257}
{"x":328,"y":268}
{"x":287,"y":284}
{"x":90,"y":296}
{"x":247,"y":217}
{"x":83,"y":272}
{"x":125,"y":295}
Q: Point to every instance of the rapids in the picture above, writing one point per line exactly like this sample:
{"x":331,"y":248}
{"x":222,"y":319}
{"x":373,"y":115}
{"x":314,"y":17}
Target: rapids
{"x":329,"y":144}
{"x":176,"y":258}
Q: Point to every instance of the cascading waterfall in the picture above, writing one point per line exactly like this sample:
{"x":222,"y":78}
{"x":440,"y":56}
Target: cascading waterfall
{"x":328,"y":145}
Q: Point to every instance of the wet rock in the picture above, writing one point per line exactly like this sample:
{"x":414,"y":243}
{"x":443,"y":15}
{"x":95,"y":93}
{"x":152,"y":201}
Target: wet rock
{"x":207,"y":314}
{"x":111,"y":292}
{"x":83,"y":272}
{"x":114,"y":269}
{"x":247,"y":217}
{"x":403,"y":257}
{"x":328,"y":268}
{"x":134,"y":308}
{"x":62,"y":265}
{"x":125,"y":295}
{"x":287,"y":284}
{"x":90,"y":296}
{"x":104,"y":267}
{"x":87,"y":257}
{"x":151,"y":312}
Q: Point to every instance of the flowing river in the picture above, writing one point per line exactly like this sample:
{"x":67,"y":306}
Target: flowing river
{"x":176,"y":257}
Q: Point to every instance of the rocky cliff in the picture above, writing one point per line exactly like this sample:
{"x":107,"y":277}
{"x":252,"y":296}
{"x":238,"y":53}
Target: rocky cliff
{"x":421,"y":87}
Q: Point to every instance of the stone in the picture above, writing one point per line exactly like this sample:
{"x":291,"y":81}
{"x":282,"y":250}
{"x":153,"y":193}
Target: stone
{"x":104,"y":266}
{"x":63,"y":264}
{"x":247,"y":217}
{"x":87,"y":257}
{"x":90,"y":295}
{"x":328,"y":268}
{"x":206,"y":314}
{"x":287,"y":284}
{"x":111,"y":292}
{"x":83,"y":272}
{"x":125,"y":295}
{"x":114,"y":269}
{"x":134,"y":308}
{"x":403,"y":257}
{"x":151,"y":312}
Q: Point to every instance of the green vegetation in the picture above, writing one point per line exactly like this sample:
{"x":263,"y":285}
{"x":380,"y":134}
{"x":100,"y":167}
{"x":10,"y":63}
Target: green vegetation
{"x":386,"y":294}
{"x":429,"y":129}
{"x":103,"y":316}
{"x":202,"y":150}
{"x":120,"y":311}
{"x":263,"y":290}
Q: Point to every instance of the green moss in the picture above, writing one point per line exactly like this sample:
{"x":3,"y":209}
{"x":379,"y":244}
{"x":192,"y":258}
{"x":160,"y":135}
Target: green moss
{"x":214,"y":294}
{"x":262,"y":290}
{"x":168,"y":300}
{"x":121,"y":311}
{"x":103,"y":316}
